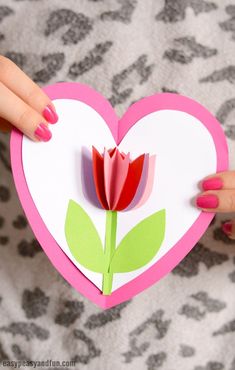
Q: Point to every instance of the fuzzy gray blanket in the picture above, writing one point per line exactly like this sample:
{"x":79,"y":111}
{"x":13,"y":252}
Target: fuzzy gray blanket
{"x":126,"y":49}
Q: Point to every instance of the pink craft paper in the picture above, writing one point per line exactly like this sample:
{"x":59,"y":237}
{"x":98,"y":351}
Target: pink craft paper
{"x":142,"y":185}
{"x":137,"y":111}
{"x":88,"y":185}
{"x":150,"y":181}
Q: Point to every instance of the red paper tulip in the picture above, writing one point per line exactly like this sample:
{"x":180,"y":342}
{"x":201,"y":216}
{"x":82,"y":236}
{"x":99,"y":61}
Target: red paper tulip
{"x":120,"y":183}
{"x":115,"y":182}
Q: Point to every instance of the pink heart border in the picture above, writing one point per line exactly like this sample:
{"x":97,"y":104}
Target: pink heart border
{"x":138,"y":110}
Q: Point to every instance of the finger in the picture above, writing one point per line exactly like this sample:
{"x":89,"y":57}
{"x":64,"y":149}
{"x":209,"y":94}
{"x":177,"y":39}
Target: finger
{"x":223,"y":180}
{"x":18,"y":82}
{"x":22,"y":116}
{"x":217,"y":201}
{"x":229,"y":229}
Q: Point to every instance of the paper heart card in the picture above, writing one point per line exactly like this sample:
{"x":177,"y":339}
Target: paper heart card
{"x":109,"y":199}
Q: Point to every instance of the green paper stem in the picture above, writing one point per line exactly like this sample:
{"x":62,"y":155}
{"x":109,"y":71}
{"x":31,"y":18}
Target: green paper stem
{"x":110,"y":246}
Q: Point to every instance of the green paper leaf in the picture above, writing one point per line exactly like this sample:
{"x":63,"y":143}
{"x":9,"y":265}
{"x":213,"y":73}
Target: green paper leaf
{"x":83,"y":239}
{"x":140,"y":245}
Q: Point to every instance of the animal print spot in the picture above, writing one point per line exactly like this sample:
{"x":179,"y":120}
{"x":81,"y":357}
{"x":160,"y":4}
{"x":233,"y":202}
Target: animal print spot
{"x":229,"y":25}
{"x":71,"y":312}
{"x":34,"y":303}
{"x":103,"y":318}
{"x":192,"y":312}
{"x":5,"y":11}
{"x":223,"y":74}
{"x":91,"y":350}
{"x":3,"y":355}
{"x":4,"y":156}
{"x":19,"y":354}
{"x":156,"y":321}
{"x":186,"y":351}
{"x":4,"y":240}
{"x":20,"y":222}
{"x":79,"y":25}
{"x":53,"y":63}
{"x":123,"y":82}
{"x":169,"y":90}
{"x":232,"y":276}
{"x":124,"y":14}
{"x":18,"y":58}
{"x":207,"y":304}
{"x":229,"y":327}
{"x":93,"y":58}
{"x":4,"y":193}
{"x":27,"y":330}
{"x":29,"y":249}
{"x":175,"y":10}
{"x":186,"y":49}
{"x":210,"y":304}
{"x":189,"y":266}
{"x":211,"y":366}
{"x":156,"y":361}
{"x":226,"y":109}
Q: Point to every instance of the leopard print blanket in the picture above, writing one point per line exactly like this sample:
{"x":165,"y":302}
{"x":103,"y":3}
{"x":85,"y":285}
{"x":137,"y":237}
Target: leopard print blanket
{"x":126,"y":49}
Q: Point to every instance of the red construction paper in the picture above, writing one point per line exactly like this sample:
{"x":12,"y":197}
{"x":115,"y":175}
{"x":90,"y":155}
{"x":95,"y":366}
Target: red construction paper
{"x":116,"y":168}
{"x":132,"y":182}
{"x":98,"y":173}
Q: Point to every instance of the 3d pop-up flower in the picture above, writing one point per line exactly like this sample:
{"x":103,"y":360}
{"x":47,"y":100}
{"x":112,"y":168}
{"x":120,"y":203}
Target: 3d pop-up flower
{"x":117,"y":179}
{"x":114,"y":182}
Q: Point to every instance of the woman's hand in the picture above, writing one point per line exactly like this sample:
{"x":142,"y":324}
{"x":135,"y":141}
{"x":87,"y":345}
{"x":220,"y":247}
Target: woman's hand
{"x":219,"y":196}
{"x":23,"y":104}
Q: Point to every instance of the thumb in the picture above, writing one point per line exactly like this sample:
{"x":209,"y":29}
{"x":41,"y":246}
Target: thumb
{"x":229,"y":229}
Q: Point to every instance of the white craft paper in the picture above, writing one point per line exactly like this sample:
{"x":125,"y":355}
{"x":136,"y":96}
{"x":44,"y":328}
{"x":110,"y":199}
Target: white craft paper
{"x":185,"y":153}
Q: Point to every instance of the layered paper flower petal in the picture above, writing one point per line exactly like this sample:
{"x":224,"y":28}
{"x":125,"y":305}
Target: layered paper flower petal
{"x":149,"y":183}
{"x":114,"y":182}
{"x":131,"y":183}
{"x":88,"y":185}
{"x":142,"y":184}
{"x":98,"y":173}
{"x":116,"y":168}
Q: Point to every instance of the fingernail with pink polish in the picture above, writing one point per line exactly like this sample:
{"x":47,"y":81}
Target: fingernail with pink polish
{"x":227,"y":228}
{"x":214,"y":183}
{"x":207,"y":201}
{"x":42,"y":132}
{"x":50,"y":114}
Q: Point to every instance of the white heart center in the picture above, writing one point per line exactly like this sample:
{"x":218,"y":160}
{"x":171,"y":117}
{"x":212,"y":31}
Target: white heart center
{"x":185,"y":153}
